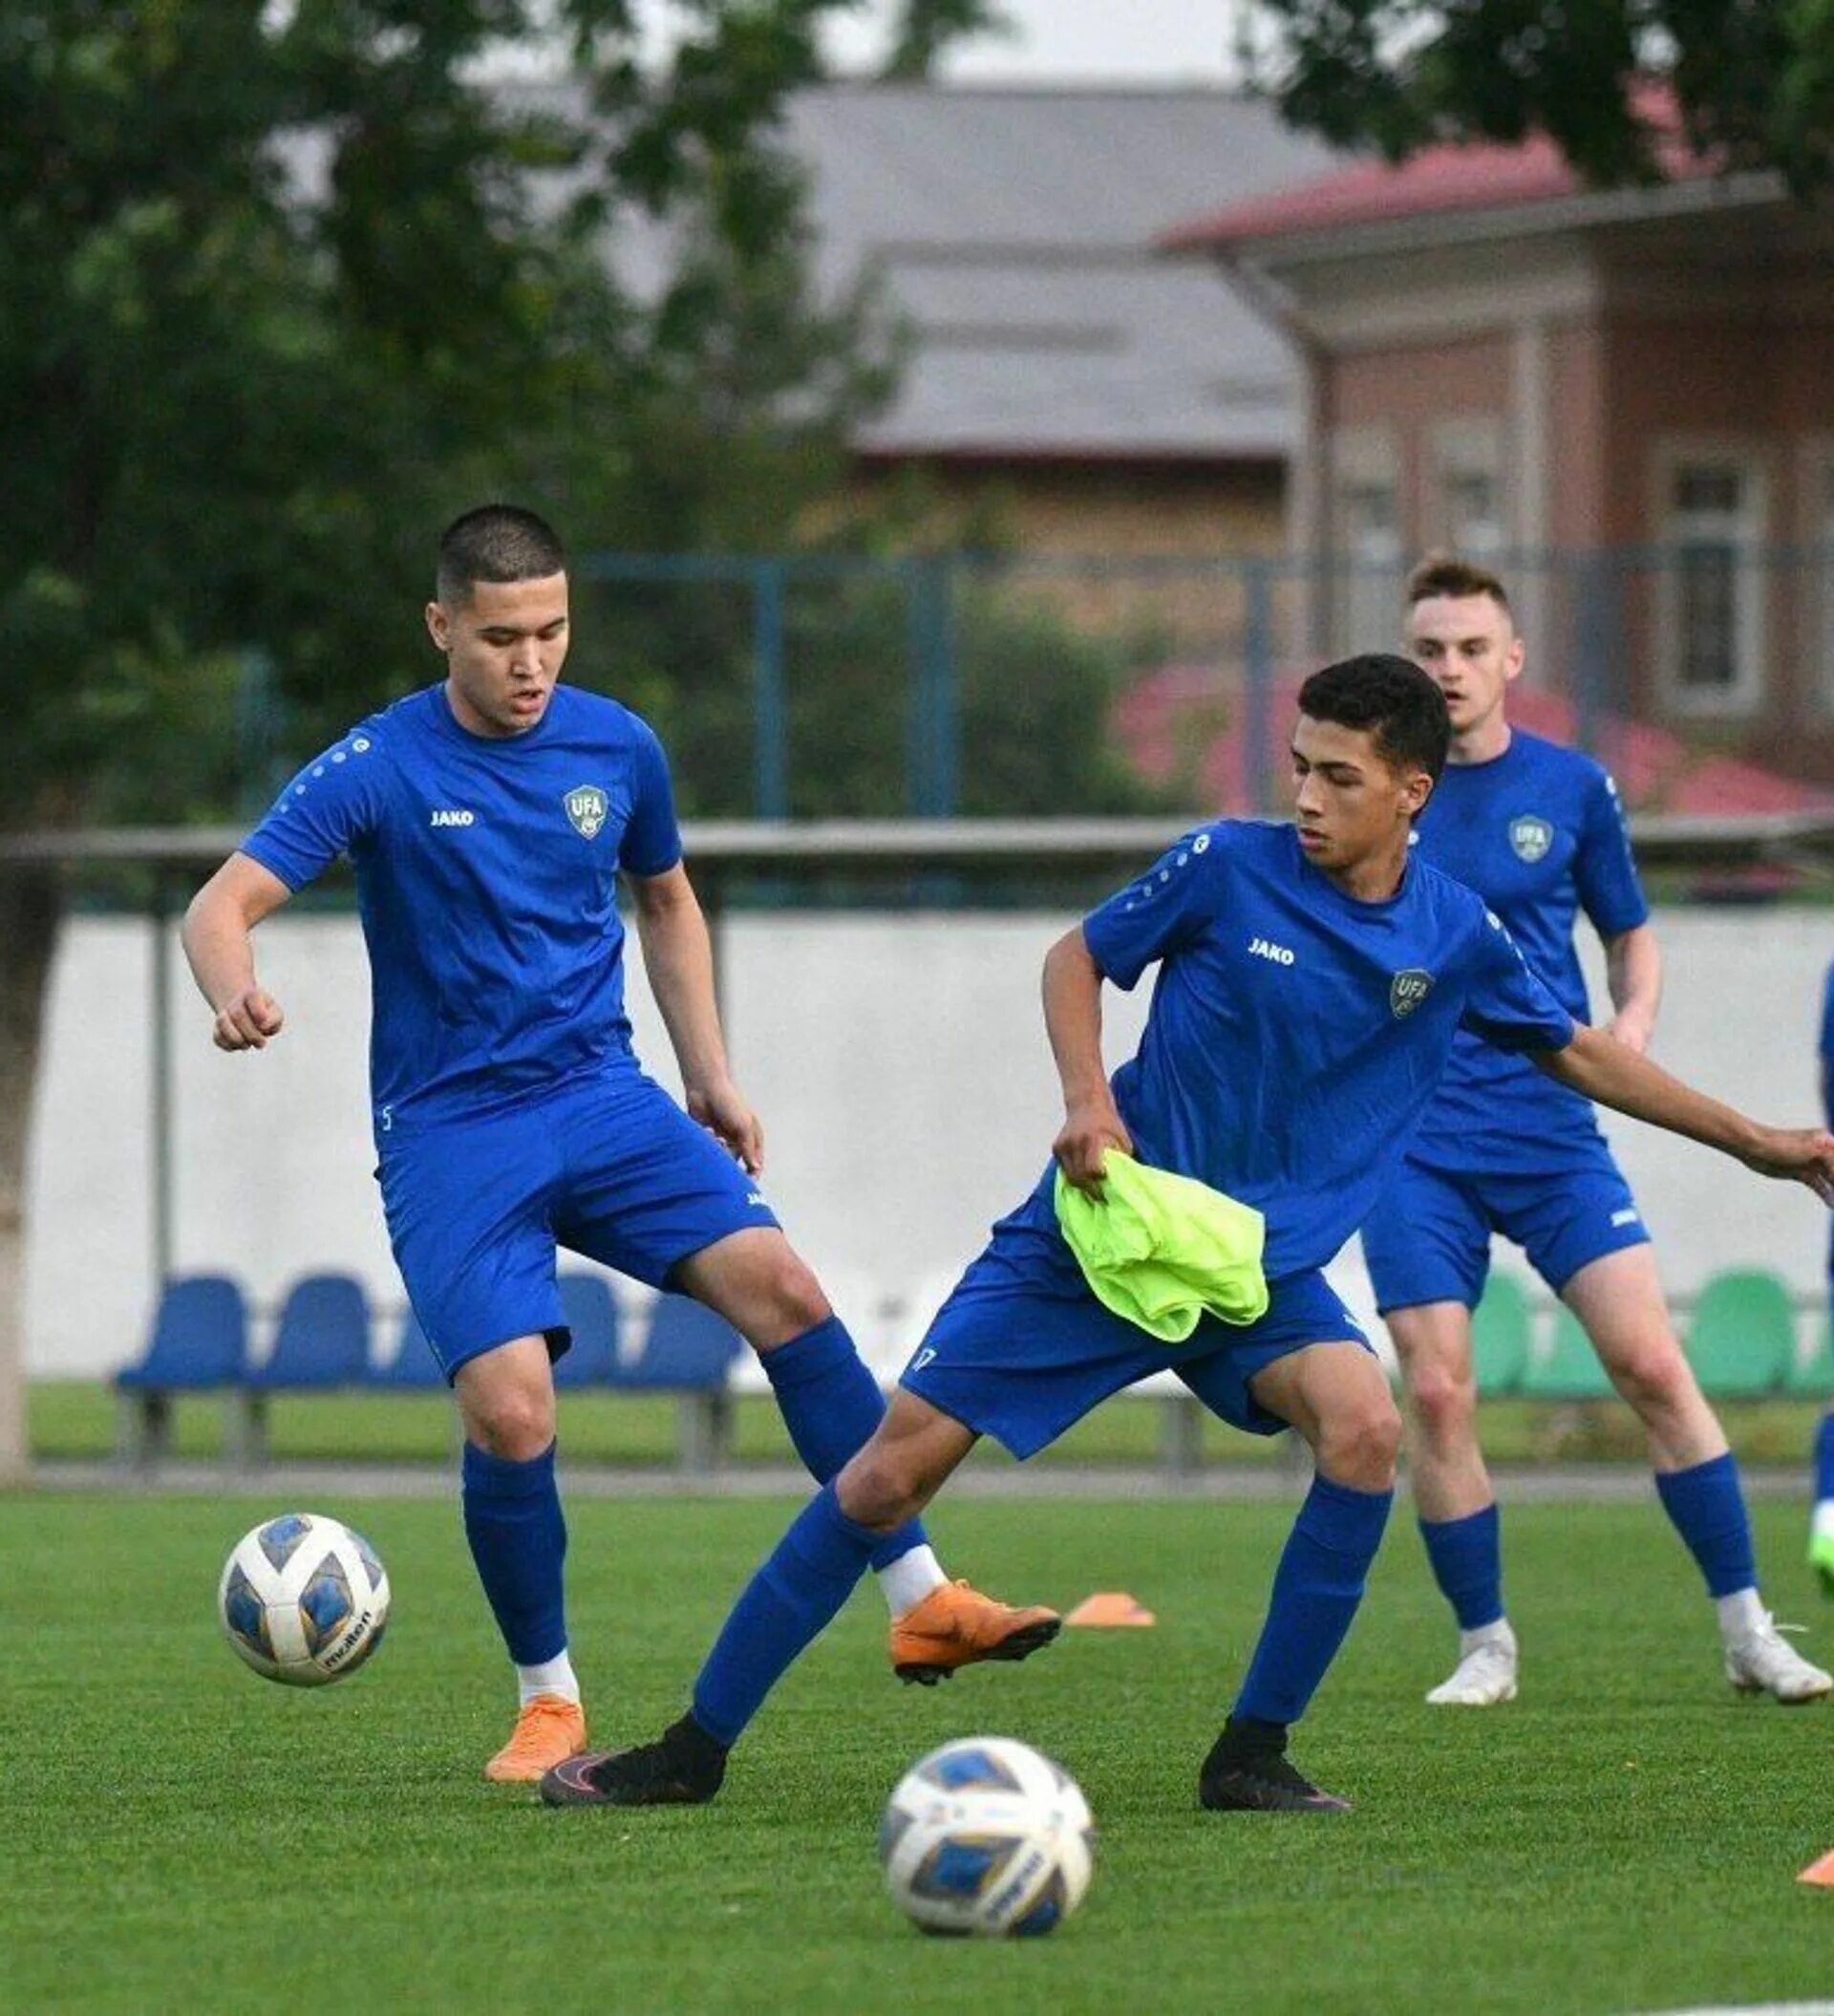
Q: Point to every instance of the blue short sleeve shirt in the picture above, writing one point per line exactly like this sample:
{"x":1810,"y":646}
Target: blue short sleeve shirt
{"x":1540,"y":834}
{"x":486,"y":872}
{"x":1296,"y":1034}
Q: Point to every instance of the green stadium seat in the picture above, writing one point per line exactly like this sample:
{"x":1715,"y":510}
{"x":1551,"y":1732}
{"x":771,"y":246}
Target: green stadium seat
{"x":1742,"y":1338}
{"x":1502,"y":1329}
{"x":1568,"y":1368}
{"x":1813,"y":1378}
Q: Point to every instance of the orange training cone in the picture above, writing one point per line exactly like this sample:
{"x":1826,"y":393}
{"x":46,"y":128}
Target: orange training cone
{"x":1115,"y":1607}
{"x":1820,"y":1872}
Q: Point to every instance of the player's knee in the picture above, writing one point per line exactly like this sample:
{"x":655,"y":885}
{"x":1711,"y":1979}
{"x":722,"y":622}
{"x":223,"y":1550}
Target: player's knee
{"x":1652,"y":1375}
{"x":882,"y":1486}
{"x":1358,"y":1444}
{"x":1444,"y":1400}
{"x":516,"y":1425}
{"x":789,"y":1296}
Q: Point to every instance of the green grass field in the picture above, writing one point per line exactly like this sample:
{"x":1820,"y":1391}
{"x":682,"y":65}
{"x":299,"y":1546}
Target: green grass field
{"x":180,"y":1834}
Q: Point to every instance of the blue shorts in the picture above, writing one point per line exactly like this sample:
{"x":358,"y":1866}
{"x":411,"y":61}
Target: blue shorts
{"x":1023,"y":1350}
{"x":1428,"y":1238}
{"x":609,"y":1167}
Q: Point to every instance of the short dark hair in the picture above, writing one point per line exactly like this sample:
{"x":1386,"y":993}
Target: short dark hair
{"x":1389,"y":694}
{"x":496,"y":542}
{"x":1451,"y":574}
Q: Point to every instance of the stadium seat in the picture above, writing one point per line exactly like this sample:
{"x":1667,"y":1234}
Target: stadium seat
{"x":1568,"y":1368}
{"x":1741,"y":1337}
{"x":593,"y":1316}
{"x":411,"y":1367}
{"x":1813,"y":1378}
{"x":1501,"y":1331}
{"x":689,"y":1351}
{"x":198,"y":1345}
{"x":321,"y":1338}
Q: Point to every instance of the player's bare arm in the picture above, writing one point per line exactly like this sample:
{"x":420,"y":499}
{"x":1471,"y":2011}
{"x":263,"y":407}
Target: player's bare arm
{"x":1073,"y":1020}
{"x":1613,"y":1075}
{"x":217,"y":935}
{"x":678,"y":956}
{"x":1634,"y":974}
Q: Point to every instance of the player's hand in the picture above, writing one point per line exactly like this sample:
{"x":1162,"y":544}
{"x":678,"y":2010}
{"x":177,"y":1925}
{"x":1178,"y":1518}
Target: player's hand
{"x":1083,"y":1141}
{"x":1797,"y":1154}
{"x":721,"y":1109}
{"x":1633,"y":1030}
{"x":248,"y":1022}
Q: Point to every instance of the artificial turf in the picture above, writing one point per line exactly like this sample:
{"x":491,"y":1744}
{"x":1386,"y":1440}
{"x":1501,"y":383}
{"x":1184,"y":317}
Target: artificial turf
{"x":177,"y":1833}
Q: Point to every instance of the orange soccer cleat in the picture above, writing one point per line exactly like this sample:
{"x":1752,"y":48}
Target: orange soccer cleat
{"x":548,"y":1729}
{"x":956,"y":1625}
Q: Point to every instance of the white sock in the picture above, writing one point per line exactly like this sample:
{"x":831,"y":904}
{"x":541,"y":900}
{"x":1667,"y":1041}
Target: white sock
{"x":909,"y":1578}
{"x":1740,"y":1613}
{"x":552,"y":1676}
{"x":1497,"y":1632}
{"x":1822,"y":1521}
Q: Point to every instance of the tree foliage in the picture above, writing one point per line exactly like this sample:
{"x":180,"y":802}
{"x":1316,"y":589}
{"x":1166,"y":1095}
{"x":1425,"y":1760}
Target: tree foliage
{"x":1750,"y":82}
{"x":282,"y":287}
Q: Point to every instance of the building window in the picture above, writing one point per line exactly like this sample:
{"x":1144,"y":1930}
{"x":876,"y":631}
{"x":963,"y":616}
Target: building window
{"x":1467,"y":513}
{"x":1711,"y":580}
{"x":1366,"y":524}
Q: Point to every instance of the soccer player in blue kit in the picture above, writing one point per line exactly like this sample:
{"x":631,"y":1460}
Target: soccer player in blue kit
{"x":489,"y":819}
{"x":1312,"y":981}
{"x":1536,"y":829}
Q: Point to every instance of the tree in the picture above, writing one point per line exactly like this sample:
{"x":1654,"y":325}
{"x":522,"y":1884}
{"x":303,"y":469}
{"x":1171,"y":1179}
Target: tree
{"x":1750,"y":82}
{"x":277,"y":285}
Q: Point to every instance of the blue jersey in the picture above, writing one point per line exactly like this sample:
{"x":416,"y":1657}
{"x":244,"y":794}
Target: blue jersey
{"x":1295,"y":1033}
{"x":486,"y":874}
{"x":1539,"y":833}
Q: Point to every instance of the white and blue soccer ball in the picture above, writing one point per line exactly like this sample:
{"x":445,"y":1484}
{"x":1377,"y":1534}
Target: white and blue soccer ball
{"x":304,"y":1599}
{"x":986,"y":1835}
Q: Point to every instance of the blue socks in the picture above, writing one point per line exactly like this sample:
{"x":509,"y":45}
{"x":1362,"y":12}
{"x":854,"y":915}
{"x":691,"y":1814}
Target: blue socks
{"x":519,"y":1541}
{"x":1467,"y":1558}
{"x":1708,"y":1511}
{"x":1824,"y":1458}
{"x":831,"y":1403}
{"x":1316,"y":1590}
{"x":786,"y":1606}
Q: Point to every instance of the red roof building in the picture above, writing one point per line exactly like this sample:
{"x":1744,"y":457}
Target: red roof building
{"x":1623,"y":398}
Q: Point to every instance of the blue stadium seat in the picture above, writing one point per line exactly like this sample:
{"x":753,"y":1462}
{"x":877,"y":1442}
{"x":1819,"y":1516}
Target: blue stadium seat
{"x":689,"y":1351}
{"x":322,"y":1339}
{"x":687,"y":1345}
{"x":411,"y":1367}
{"x":198,"y":1345}
{"x":593,"y":1316}
{"x":200,"y":1338}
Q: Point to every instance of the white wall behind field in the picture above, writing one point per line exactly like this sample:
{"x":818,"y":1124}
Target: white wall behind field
{"x":900,"y":1066}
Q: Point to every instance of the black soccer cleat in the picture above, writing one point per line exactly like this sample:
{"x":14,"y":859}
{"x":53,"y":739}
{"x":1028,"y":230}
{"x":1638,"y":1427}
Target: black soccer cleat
{"x":686,"y":1767}
{"x":1248,"y":1772}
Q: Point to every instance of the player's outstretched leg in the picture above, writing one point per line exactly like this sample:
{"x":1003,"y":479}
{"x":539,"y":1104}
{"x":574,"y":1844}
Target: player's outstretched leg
{"x":831,"y":1404}
{"x":1467,"y":1558}
{"x":1821,"y":1525}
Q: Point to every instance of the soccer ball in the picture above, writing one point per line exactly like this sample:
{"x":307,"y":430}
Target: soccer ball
{"x":304,"y":1599}
{"x":986,"y":1835}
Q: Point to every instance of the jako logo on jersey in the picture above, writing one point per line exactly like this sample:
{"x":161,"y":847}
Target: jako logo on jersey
{"x":1530,"y":837}
{"x":586,"y":806}
{"x":454,"y":819}
{"x":1408,"y":989}
{"x":1266,"y":949}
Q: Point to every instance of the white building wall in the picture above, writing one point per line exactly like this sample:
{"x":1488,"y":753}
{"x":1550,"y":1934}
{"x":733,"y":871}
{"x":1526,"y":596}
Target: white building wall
{"x":898,"y":1062}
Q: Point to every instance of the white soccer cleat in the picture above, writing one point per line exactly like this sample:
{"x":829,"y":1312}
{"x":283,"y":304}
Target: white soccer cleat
{"x":1760,"y":1661}
{"x":1486,"y":1674}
